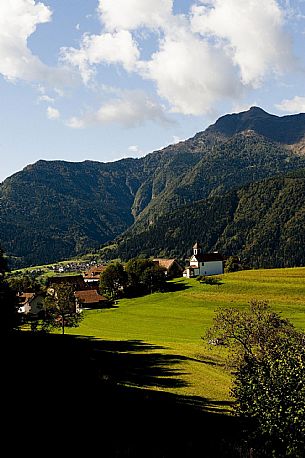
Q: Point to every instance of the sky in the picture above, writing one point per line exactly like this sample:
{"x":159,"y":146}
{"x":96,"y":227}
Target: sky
{"x":106,"y":79}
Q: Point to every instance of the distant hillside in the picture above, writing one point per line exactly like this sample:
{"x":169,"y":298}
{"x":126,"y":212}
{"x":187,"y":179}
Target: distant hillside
{"x":55,"y":210}
{"x":263,"y":223}
{"x":52,"y":210}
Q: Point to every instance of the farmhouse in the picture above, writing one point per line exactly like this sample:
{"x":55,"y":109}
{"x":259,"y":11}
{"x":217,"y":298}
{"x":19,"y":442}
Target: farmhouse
{"x":204,"y":263}
{"x":90,"y":298}
{"x":30,"y":303}
{"x":171,"y":266}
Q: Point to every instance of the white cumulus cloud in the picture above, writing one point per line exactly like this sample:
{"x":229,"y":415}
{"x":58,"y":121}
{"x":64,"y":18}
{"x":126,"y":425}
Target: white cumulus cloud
{"x":53,"y":113}
{"x":252,"y":31}
{"x":133,"y":14}
{"x":217,"y":51}
{"x":294,"y":105}
{"x":110,"y":48}
{"x":191,"y":74}
{"x":131,"y":109}
{"x":18,"y":21}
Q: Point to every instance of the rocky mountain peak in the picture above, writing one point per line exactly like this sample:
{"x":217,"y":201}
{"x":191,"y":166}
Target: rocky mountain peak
{"x":287,"y":130}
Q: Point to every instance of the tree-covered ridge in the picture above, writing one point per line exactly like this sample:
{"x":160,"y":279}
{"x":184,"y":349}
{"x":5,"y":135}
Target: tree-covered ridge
{"x":244,"y":158}
{"x":263,"y":223}
{"x":56,"y":210}
{"x":52,"y":210}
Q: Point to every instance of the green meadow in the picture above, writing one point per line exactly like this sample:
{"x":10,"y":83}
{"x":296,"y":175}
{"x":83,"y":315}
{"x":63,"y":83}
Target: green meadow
{"x":171,"y":324}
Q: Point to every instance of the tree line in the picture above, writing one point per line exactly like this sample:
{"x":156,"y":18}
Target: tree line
{"x":139,"y":276}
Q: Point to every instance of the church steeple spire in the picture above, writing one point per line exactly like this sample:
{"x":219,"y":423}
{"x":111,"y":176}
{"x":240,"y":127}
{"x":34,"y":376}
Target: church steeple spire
{"x":197,"y":248}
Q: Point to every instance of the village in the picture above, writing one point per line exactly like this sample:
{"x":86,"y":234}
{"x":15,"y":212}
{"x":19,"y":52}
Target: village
{"x":86,"y":285}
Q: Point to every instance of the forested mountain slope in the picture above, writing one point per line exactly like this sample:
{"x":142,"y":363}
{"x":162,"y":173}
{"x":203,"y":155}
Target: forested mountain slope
{"x":262,"y":222}
{"x":54,"y":210}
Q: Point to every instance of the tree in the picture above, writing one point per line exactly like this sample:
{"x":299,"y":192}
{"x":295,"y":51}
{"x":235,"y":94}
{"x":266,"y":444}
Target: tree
{"x":135,"y":268}
{"x":25,"y":283}
{"x":8,"y":302}
{"x":144,"y":276}
{"x":113,"y":280}
{"x":153,"y":278}
{"x":269,"y":386}
{"x":60,"y":309}
{"x":232,"y":264}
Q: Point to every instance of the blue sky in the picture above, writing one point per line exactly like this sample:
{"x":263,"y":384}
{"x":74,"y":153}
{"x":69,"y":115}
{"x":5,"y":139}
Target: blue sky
{"x":106,"y":79}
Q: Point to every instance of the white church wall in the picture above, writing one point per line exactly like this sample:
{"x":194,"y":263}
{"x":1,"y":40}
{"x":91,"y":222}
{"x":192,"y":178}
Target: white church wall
{"x":211,"y":268}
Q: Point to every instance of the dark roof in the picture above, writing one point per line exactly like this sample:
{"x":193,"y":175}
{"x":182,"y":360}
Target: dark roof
{"x":209,"y":257}
{"x":72,"y":279}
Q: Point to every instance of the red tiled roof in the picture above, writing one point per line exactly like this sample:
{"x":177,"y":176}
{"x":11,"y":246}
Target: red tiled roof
{"x":25,"y":297}
{"x":166,"y":263}
{"x":89,"y":296}
{"x":94,"y":272}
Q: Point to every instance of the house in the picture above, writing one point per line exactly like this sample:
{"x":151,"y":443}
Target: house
{"x":204,"y":263}
{"x":30,"y":303}
{"x":92,"y":276}
{"x":76,"y":281}
{"x":171,"y":266}
{"x":90,"y":298}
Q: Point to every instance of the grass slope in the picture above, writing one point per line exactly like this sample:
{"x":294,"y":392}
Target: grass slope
{"x":170,"y":326}
{"x":143,"y":385}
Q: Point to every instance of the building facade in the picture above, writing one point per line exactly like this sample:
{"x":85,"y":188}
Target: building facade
{"x":204,"y":263}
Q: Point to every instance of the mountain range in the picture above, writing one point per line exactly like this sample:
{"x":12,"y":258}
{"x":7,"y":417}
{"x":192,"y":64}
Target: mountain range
{"x":233,"y":187}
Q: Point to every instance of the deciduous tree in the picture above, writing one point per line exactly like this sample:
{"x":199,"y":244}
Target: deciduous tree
{"x":269,"y":386}
{"x":60,"y":309}
{"x":153,"y":278}
{"x":113,"y":280}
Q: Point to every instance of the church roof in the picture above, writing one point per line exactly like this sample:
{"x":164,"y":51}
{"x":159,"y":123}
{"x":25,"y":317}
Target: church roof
{"x":208,"y":257}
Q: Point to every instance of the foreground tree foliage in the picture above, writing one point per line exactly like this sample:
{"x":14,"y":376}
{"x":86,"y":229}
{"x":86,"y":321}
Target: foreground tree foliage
{"x":60,"y":309}
{"x":268,"y":355}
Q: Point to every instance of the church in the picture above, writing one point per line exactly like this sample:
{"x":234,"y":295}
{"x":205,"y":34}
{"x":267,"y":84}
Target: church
{"x":204,"y":263}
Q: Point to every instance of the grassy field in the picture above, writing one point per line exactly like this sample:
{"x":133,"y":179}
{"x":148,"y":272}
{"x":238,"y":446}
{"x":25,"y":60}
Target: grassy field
{"x":166,"y":328}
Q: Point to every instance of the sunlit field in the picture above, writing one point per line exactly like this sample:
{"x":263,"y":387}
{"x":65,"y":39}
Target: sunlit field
{"x":172,"y":324}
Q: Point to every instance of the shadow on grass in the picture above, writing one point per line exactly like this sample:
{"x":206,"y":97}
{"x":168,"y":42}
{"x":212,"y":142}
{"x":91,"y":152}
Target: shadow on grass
{"x":174,"y":286}
{"x":170,"y":287}
{"x":97,"y":394}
